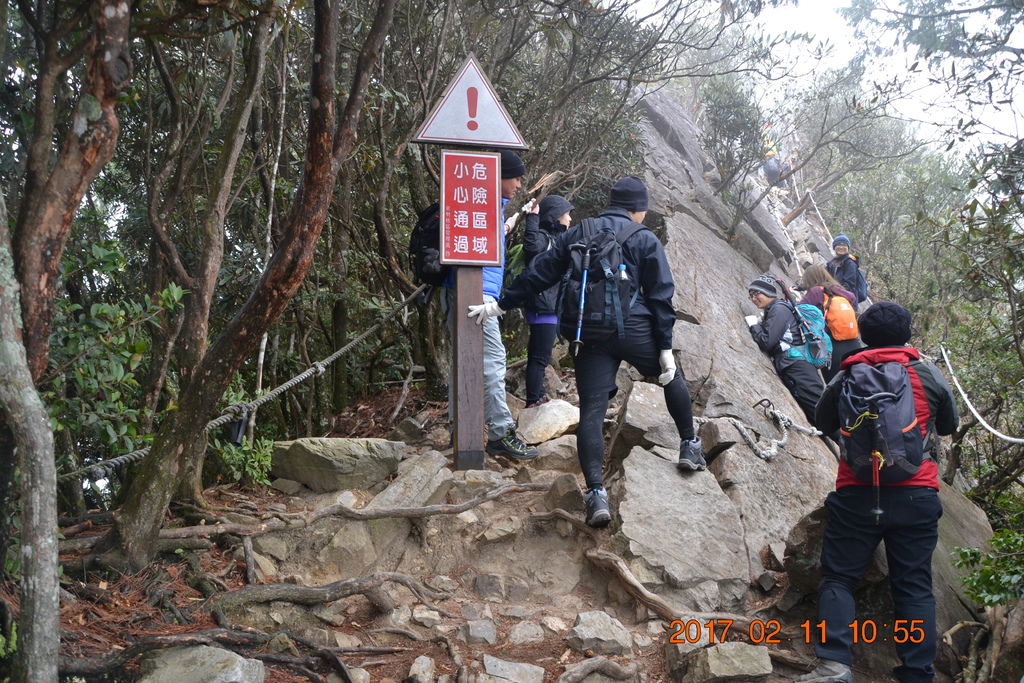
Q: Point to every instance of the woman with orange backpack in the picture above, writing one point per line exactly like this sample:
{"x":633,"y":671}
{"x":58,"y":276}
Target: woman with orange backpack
{"x":822,"y":290}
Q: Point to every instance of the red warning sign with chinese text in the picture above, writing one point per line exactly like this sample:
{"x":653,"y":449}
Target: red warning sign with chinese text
{"x":472,"y":232}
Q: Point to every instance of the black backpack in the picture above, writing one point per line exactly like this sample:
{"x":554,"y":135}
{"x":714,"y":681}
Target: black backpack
{"x":605,"y":300}
{"x":425,"y":248}
{"x":877,"y":412}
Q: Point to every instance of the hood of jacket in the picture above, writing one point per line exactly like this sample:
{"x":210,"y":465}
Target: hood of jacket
{"x":882,"y":354}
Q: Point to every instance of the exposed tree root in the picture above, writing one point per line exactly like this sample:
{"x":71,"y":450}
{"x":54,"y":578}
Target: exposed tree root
{"x":309,"y":595}
{"x":599,"y":665}
{"x":109,"y":663}
{"x":574,"y":520}
{"x":190,"y":536}
{"x":616,"y":565}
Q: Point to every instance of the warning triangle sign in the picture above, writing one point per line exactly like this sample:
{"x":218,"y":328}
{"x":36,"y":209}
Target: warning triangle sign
{"x":469,"y":113}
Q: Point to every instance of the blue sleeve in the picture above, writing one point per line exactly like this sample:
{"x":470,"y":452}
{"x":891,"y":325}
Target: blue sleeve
{"x":862,"y":286}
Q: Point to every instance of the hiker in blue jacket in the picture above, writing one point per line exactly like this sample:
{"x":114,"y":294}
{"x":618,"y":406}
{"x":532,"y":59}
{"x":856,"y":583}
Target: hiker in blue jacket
{"x":845,"y":268}
{"x":647,"y":343}
{"x":502,"y":437}
{"x":544,"y":224}
{"x":778,"y":330}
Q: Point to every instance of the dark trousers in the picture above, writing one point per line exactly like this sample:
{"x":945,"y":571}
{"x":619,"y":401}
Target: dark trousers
{"x":840,"y":350}
{"x":909,"y":525}
{"x":804,"y":383}
{"x":596,"y":367}
{"x":538,"y":355}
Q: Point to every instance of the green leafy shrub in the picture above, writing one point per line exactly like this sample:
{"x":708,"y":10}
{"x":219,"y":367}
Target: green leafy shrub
{"x":249,"y":461}
{"x":997,"y":576}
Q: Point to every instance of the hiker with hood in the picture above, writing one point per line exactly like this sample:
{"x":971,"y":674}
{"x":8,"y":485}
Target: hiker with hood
{"x":840,"y":312}
{"x":845,"y":268}
{"x":544,"y":224}
{"x":775,"y":334}
{"x":502,"y":437}
{"x":903,"y":510}
{"x":647,"y":333}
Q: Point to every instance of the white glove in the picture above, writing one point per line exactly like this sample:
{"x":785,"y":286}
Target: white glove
{"x":668,"y":367}
{"x":482,"y":312}
{"x":751,"y":320}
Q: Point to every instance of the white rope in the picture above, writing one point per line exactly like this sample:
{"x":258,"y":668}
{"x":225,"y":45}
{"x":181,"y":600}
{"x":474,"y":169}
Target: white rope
{"x":820,"y":217}
{"x":963,"y":394}
{"x":782,"y":421}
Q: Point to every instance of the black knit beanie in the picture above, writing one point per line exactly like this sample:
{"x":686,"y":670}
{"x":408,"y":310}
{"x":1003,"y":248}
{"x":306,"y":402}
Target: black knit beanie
{"x":512,"y":165}
{"x":629,"y":193}
{"x":885,"y":324}
{"x":765,"y":284}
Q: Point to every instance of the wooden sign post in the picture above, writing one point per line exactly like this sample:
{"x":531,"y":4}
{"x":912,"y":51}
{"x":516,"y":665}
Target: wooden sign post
{"x":472,"y":231}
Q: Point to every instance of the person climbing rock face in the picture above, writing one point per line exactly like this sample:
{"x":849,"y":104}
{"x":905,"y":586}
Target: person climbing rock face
{"x":777,"y":331}
{"x":544,"y":223}
{"x":646,"y":332}
{"x":845,"y":268}
{"x":903,"y":511}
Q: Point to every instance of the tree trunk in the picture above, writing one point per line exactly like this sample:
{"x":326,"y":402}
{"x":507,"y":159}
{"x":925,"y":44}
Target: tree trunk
{"x":328,"y":144}
{"x":195,"y":329}
{"x":52,"y":197}
{"x":38,"y":624}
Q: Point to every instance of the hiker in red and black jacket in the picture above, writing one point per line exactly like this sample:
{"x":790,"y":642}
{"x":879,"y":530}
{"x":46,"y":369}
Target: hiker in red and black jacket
{"x":908,"y":522}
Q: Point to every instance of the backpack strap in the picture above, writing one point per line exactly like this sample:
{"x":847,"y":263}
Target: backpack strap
{"x":621,"y":237}
{"x":626,"y":233}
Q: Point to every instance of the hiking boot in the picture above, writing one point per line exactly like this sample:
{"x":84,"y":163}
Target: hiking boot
{"x":828,"y":671}
{"x":510,"y":444}
{"x":598,"y":514}
{"x":691,"y":456}
{"x":539,"y":402}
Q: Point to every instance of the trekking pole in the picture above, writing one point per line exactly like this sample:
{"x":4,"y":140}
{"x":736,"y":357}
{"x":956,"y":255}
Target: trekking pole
{"x":877,"y":450}
{"x":577,"y":342}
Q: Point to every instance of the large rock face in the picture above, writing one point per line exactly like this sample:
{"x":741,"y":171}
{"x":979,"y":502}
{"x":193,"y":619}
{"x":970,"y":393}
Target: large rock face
{"x":704,"y":540}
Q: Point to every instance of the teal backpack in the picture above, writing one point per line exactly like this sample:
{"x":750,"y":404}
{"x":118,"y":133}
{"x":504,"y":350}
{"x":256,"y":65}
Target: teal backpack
{"x":816,"y":347}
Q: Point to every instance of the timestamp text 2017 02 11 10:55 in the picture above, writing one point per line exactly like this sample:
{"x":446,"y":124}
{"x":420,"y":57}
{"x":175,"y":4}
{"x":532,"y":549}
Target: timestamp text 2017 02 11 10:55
{"x":765,"y":632}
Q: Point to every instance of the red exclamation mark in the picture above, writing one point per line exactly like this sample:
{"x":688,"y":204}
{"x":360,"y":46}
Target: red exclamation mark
{"x":471,"y":101}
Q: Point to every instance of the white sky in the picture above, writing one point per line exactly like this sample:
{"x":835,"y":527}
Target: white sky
{"x":927,"y":103}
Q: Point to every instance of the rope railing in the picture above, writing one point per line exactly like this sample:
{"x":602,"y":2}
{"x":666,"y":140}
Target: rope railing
{"x":784,"y":422}
{"x":970,"y":405}
{"x":234,"y":411}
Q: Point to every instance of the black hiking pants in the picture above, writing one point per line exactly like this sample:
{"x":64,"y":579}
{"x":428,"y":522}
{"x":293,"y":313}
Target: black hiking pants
{"x":596,"y":367}
{"x":804,"y":383}
{"x":538,"y":355}
{"x":909,"y":525}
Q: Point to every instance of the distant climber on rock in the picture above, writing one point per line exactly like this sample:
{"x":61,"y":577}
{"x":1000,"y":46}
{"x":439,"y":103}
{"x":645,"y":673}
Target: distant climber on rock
{"x":887,"y":402}
{"x":771,"y":166}
{"x":845,"y":268}
{"x":777,"y":332}
{"x":623,"y":314}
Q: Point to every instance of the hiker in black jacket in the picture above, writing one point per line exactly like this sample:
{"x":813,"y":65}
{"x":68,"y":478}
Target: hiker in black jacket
{"x":777,"y":332}
{"x":845,"y":268}
{"x":647,"y":345}
{"x":544,"y":224}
